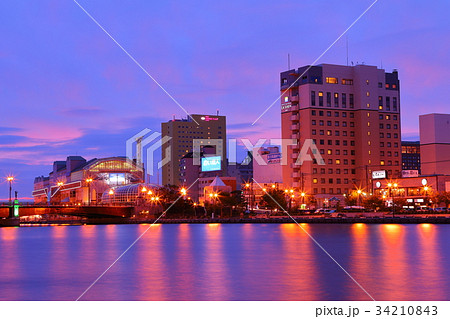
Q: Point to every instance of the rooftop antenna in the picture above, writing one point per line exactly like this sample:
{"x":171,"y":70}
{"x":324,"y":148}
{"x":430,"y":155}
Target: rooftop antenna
{"x":381,"y":63}
{"x":217,"y":112}
{"x":289,"y":61}
{"x":347,"y":48}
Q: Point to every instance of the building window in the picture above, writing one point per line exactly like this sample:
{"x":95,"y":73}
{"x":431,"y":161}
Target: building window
{"x":394,"y":103}
{"x":336,"y":99}
{"x":351,"y":102}
{"x":313,"y":112}
{"x":331,"y":80}
{"x":347,"y":81}
{"x":344,"y":100}
{"x":329,"y":99}
{"x":313,"y":122}
{"x":313,"y":98}
{"x":320,"y":98}
{"x":315,"y":180}
{"x":380,"y":85}
{"x":388,"y":103}
{"x":320,"y":113}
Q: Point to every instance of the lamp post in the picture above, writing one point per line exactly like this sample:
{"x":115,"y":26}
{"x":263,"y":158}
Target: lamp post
{"x":359,"y":196}
{"x":10,"y":180}
{"x":89,"y":181}
{"x":303,"y":194}
{"x":111,"y":193}
{"x":392,"y":187}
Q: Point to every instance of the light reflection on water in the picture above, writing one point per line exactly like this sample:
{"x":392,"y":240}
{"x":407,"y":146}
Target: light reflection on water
{"x":226,"y":262}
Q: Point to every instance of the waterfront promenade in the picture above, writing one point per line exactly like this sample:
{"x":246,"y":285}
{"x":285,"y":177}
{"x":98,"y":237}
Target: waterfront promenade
{"x":400,"y":219}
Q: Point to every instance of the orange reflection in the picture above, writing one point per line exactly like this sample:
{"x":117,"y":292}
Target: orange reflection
{"x":299,"y":273}
{"x":151,"y":267}
{"x":215,"y":270}
{"x":394,"y":263}
{"x":429,"y":265}
{"x":361,"y":261}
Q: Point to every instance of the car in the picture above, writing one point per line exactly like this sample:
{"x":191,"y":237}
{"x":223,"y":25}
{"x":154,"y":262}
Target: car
{"x":440,"y":209}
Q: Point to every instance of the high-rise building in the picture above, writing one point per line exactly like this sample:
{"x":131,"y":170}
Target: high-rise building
{"x":182,"y":133}
{"x":410,"y":158}
{"x":435,"y":143}
{"x":352,"y":114}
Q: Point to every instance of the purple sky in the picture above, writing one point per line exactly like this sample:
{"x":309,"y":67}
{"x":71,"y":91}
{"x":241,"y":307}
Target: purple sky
{"x":67,"y":89}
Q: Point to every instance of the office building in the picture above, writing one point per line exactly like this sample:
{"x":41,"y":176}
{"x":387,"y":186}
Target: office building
{"x":352,"y":115}
{"x":410,"y":159}
{"x":183,"y":133}
{"x":435,"y":143}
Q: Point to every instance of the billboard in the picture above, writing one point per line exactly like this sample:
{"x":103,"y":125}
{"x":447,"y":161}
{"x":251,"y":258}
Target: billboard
{"x":379,"y":174}
{"x":211,"y":163}
{"x":410,"y":173}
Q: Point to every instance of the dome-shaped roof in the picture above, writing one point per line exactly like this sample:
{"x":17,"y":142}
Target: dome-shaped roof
{"x":127,"y":193}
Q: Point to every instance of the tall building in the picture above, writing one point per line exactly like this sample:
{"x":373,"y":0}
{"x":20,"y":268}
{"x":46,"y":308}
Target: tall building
{"x":435,"y":143}
{"x":410,"y":158}
{"x":182,"y":133}
{"x":352,"y":114}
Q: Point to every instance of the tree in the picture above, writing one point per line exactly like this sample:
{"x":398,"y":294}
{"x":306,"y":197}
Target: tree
{"x":373,"y":202}
{"x":170,"y":198}
{"x":442,"y":198}
{"x":273,"y":199}
{"x":351,"y":200}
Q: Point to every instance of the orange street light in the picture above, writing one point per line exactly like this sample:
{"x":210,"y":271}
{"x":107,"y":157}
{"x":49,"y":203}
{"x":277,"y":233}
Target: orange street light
{"x":303,"y":194}
{"x":286,"y":190}
{"x":273,"y":186}
{"x":215,"y":195}
{"x":10,"y":179}
{"x":150,"y":192}
{"x":111,"y":192}
{"x":291,"y":190}
{"x":60,"y":184}
{"x":264,"y":190}
{"x":144,"y":189}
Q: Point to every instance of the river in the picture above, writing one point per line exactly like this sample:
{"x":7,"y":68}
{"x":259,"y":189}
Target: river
{"x":226,"y":262}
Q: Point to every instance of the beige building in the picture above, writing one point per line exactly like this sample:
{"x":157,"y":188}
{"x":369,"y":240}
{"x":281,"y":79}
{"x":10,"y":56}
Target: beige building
{"x":183,"y":133}
{"x":352,"y":115}
{"x":435,"y":143}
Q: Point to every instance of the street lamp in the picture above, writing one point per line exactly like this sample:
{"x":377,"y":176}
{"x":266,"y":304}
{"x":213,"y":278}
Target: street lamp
{"x":392,"y":187}
{"x":89,"y":181}
{"x":10,"y":180}
{"x":359,"y":196}
{"x":303,"y":194}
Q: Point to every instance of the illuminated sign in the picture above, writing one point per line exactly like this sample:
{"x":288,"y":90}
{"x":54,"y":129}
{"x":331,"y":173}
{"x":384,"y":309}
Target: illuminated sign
{"x":379,"y":174}
{"x":211,"y":163}
{"x":285,"y":106}
{"x":410,"y":173}
{"x":207,"y":118}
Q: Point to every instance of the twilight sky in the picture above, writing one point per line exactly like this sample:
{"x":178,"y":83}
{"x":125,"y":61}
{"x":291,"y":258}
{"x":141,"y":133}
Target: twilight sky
{"x":67,"y":89}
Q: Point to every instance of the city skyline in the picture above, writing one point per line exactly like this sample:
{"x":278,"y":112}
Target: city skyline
{"x":69,"y":90}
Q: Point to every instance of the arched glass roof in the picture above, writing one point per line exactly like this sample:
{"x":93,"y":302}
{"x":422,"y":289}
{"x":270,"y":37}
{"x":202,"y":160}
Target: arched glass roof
{"x":128,"y":193}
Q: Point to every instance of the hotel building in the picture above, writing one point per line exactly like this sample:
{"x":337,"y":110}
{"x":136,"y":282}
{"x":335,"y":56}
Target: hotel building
{"x":182,"y":133}
{"x":352,"y":114}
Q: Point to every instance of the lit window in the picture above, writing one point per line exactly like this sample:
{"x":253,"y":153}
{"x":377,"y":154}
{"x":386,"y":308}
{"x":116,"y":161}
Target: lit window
{"x":382,"y":163}
{"x":331,"y":80}
{"x":367,"y":93}
{"x":286,"y":99}
{"x":380,"y":107}
{"x":347,"y":81}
